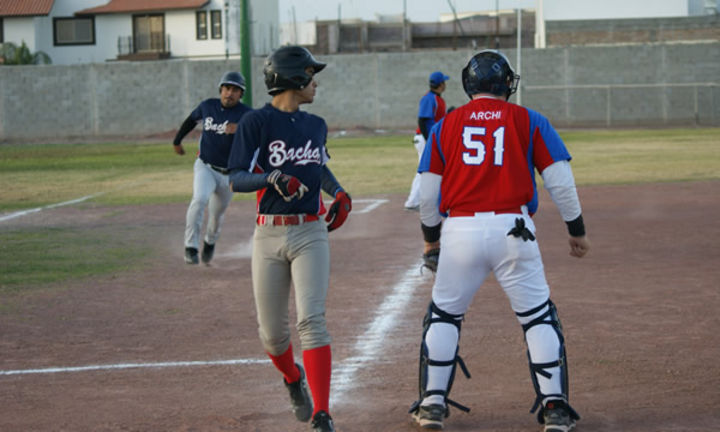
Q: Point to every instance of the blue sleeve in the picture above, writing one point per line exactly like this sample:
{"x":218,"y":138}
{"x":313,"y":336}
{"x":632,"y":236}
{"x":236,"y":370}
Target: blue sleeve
{"x":433,"y":139}
{"x":549,"y":135}
{"x":427,"y":106}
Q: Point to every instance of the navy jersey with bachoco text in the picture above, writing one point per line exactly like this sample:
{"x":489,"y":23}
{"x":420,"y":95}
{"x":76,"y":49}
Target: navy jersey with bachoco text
{"x":268,"y":139}
{"x":215,"y":143}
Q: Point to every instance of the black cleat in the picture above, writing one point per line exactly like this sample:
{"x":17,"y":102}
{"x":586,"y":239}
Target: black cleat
{"x":207,"y":252}
{"x":322,"y":422}
{"x":430,"y":416}
{"x":300,"y":401}
{"x":557,"y":417}
{"x":191,"y":255}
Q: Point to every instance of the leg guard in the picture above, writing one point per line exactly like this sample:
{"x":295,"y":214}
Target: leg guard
{"x":426,"y":361}
{"x":551,"y":318}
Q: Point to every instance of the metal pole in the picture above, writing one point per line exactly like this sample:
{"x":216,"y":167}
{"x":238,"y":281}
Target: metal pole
{"x":519,"y":54}
{"x":539,"y":25}
{"x":227,"y":30}
{"x":497,"y":24}
{"x":245,"y":52}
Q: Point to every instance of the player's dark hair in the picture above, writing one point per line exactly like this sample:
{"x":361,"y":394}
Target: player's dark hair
{"x":489,"y":71}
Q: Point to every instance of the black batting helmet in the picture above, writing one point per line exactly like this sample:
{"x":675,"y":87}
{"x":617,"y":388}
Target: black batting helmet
{"x":232,"y":78}
{"x":285,"y":69}
{"x":489,"y":71}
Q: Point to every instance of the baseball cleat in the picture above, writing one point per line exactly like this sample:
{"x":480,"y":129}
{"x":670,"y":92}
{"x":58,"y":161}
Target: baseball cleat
{"x":430,"y":416}
{"x":299,"y":397}
{"x":191,"y":255}
{"x":207,"y":252}
{"x":557,"y":417}
{"x":322,"y":422}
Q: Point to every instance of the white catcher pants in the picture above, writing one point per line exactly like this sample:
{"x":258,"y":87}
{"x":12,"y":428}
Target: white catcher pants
{"x":211,"y":189}
{"x":471,"y":248}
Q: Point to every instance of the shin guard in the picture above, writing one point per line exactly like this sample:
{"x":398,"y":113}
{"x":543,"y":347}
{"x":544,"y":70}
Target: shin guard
{"x":551,"y":318}
{"x":425,"y":360}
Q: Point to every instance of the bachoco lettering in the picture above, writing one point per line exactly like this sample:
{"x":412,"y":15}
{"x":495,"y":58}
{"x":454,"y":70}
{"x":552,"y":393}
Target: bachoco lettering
{"x":219,"y":128}
{"x":279,"y":154}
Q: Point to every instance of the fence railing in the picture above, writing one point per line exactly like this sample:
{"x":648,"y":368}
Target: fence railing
{"x":156,"y":42}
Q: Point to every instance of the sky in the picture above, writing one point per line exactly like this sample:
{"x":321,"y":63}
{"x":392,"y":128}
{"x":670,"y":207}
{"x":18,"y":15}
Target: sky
{"x":430,"y":10}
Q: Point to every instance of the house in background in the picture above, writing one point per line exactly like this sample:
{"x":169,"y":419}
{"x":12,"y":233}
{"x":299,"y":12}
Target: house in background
{"x":92,"y":31}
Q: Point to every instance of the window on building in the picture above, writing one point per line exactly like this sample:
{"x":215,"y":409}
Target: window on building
{"x":201,"y":25}
{"x":216,"y":23}
{"x":74,"y":31}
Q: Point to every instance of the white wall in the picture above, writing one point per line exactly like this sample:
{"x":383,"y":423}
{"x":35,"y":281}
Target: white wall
{"x":265,"y":26}
{"x":180,"y":25}
{"x":557,"y":10}
{"x":19,"y":30}
{"x":37,"y":32}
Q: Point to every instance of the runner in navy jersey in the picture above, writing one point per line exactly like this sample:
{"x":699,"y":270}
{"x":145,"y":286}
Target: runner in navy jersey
{"x":279,"y":151}
{"x":219,"y":118}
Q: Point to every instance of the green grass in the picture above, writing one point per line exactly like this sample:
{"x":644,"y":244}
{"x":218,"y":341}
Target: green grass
{"x":644,"y":156}
{"x":36,"y":256}
{"x":34,"y":175}
{"x":144,"y":173}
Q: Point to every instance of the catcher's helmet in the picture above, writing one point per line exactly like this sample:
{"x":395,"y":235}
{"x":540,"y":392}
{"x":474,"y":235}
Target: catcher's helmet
{"x":285,"y":69}
{"x":232,"y":78}
{"x":489,"y":71}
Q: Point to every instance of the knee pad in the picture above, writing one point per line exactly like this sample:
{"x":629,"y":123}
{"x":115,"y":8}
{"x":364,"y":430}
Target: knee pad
{"x":426,"y":361}
{"x":549,"y":317}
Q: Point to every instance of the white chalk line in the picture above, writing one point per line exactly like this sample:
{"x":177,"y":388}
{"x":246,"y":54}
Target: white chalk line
{"x":367,"y":349}
{"x":369,"y":346}
{"x":18,"y":214}
{"x":53,"y":370}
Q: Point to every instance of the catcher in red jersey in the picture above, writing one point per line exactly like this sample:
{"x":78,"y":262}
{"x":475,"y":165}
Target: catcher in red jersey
{"x":479,"y":165}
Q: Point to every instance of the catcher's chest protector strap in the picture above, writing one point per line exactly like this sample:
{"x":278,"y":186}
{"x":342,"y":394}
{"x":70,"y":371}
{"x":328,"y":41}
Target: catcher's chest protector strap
{"x":426,"y":361}
{"x":549,"y":317}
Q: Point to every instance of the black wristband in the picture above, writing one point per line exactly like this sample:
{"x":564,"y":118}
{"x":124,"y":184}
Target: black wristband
{"x":576,"y":227}
{"x":431,"y":234}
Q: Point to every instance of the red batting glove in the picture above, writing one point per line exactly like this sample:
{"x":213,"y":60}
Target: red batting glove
{"x":339,"y":210}
{"x":287,"y":186}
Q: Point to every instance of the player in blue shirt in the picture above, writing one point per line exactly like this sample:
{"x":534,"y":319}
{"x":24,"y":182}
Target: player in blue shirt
{"x":280,"y":152}
{"x":430,"y":110}
{"x":219,"y":118}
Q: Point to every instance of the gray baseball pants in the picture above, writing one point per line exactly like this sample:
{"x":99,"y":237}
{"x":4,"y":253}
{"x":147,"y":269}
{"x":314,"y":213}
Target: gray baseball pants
{"x":211,"y":189}
{"x":283,"y":254}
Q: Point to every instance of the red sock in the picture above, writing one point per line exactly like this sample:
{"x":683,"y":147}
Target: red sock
{"x":318,"y":368}
{"x":285,"y":363}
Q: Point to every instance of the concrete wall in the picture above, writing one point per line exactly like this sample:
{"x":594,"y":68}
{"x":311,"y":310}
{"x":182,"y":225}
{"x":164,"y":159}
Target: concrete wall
{"x":608,"y":86}
{"x":640,"y":30}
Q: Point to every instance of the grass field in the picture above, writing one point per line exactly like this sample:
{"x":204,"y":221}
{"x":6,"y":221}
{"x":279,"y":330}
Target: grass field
{"x":142,"y":172}
{"x":150,"y":173}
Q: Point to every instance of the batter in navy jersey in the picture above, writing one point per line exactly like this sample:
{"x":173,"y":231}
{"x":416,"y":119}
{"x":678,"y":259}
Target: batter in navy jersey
{"x":478,"y":168}
{"x":219,"y":118}
{"x":280,"y":152}
{"x":430,"y":111}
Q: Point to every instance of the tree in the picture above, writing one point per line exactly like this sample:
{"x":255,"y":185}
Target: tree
{"x":11,"y":54}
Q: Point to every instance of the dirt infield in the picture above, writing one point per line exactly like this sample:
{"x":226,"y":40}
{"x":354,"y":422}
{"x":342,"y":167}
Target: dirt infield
{"x":640,"y":314}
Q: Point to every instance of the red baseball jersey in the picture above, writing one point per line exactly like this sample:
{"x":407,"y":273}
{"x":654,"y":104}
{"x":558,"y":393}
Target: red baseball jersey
{"x":486,"y":152}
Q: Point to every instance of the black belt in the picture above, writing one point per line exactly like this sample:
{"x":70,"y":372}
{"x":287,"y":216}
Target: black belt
{"x":221,"y":170}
